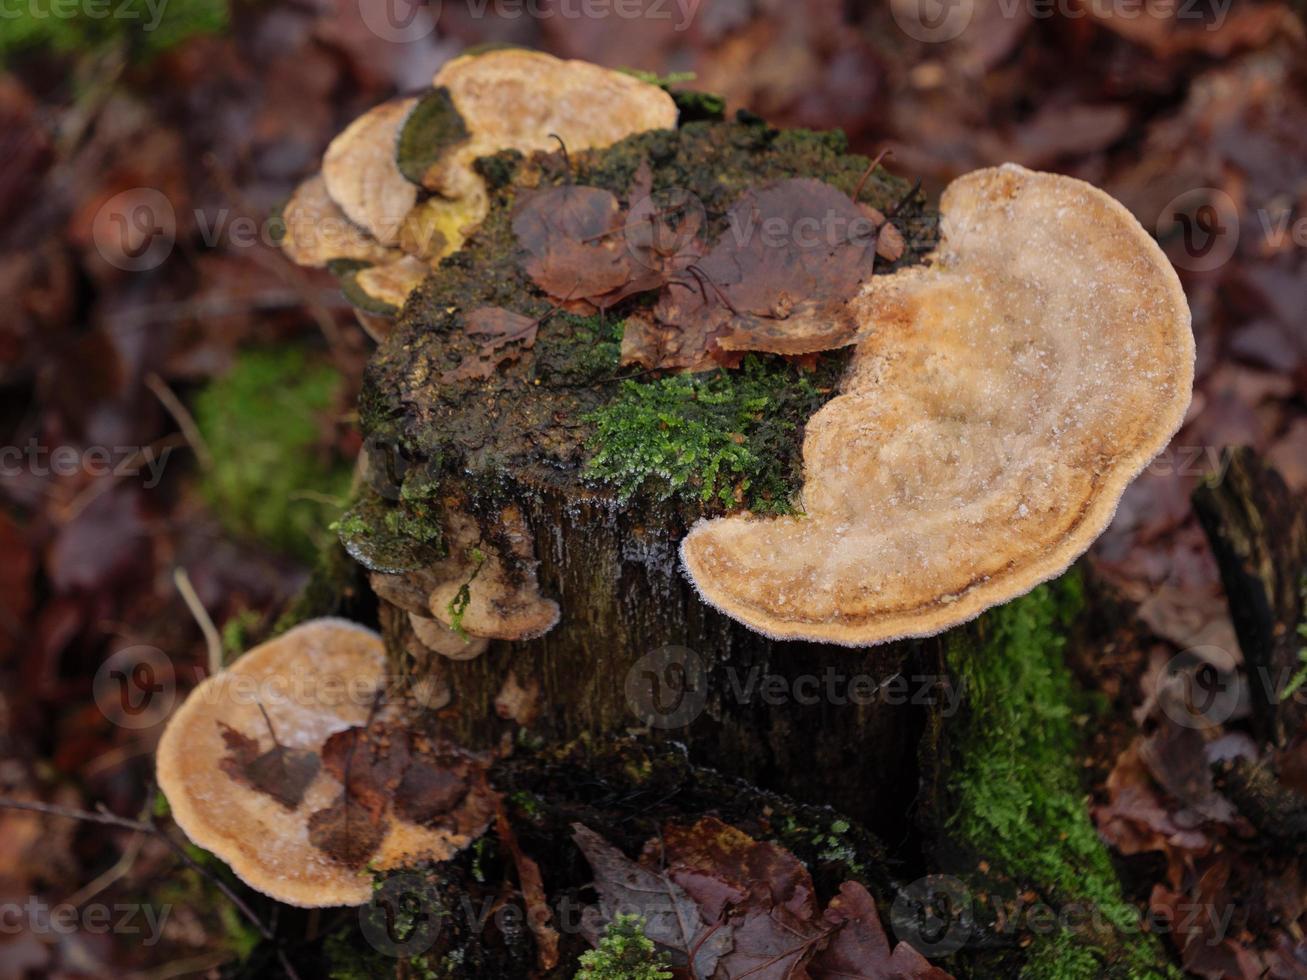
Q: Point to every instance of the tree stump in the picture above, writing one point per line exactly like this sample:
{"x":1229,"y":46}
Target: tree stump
{"x":635,"y":647}
{"x":1258,"y":532}
{"x":508,"y":468}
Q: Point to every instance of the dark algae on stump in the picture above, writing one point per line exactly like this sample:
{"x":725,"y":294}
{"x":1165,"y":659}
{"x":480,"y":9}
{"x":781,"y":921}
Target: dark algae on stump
{"x":525,"y":421}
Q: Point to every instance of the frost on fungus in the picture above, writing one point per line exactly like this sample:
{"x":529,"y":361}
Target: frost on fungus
{"x":998,"y":403}
{"x":293,"y":768}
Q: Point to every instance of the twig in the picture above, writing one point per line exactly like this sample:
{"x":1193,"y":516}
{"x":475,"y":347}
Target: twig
{"x":185,"y":421}
{"x":567,"y":160}
{"x":102,"y":816}
{"x":871,"y":167}
{"x":212,"y":638}
{"x":103,"y":881}
{"x":95,"y":490}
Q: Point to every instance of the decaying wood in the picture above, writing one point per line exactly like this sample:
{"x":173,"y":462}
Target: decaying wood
{"x":1258,"y":532}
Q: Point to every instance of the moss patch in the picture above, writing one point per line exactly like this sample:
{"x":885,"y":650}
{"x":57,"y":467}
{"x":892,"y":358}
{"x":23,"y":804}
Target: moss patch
{"x":432,"y":127}
{"x":271,"y":478}
{"x":1015,"y":797}
{"x":726,"y":438}
{"x":624,"y":953}
{"x":141,"y":27}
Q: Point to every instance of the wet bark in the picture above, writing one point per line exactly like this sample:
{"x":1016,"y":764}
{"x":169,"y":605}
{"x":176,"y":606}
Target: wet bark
{"x":636,"y":649}
{"x":1258,"y":532}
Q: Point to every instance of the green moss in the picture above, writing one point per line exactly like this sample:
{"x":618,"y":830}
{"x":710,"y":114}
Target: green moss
{"x":271,"y":480}
{"x":392,"y":536}
{"x":457,"y":606}
{"x":238,"y":632}
{"x":727,"y":438}
{"x":624,"y":953}
{"x":143,"y":28}
{"x":1015,"y":795}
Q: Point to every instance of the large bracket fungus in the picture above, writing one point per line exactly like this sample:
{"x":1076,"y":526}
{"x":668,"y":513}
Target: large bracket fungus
{"x":998,"y":404}
{"x":291,"y":768}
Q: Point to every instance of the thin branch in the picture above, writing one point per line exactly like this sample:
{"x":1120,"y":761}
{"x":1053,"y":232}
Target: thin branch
{"x":185,"y":421}
{"x":857,"y":191}
{"x":102,"y":816}
{"x":212,"y":638}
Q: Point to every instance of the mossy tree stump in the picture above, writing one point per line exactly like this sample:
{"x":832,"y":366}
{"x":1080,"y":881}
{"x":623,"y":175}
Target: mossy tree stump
{"x":608,"y":467}
{"x":559,"y":435}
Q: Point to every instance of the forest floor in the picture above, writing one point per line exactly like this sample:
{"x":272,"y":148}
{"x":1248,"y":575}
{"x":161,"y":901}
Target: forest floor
{"x":187,"y":405}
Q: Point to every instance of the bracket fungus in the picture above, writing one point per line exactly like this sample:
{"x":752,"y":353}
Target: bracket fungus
{"x":482,"y":590}
{"x":341,"y":787}
{"x":998,"y":403}
{"x":399,"y":191}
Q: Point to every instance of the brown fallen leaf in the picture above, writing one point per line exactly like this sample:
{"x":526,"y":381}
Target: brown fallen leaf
{"x":370,"y":762}
{"x":773,"y":943}
{"x":503,"y":336}
{"x":860,"y":950}
{"x":710,"y":847}
{"x":778,"y":279}
{"x":672,"y":918}
{"x":429,"y":790}
{"x":538,"y":915}
{"x":347,"y":831}
{"x":573,"y":239}
{"x":281,"y":772}
{"x":386,"y":771}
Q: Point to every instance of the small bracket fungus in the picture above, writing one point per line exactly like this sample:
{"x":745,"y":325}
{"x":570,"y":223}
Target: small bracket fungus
{"x":997,"y":405}
{"x":362,"y":176}
{"x":398,"y":191}
{"x":343,"y":788}
{"x":481,"y":591}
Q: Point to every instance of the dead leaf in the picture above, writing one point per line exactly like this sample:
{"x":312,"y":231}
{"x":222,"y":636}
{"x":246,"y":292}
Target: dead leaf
{"x":495,"y":328}
{"x":711,"y":847}
{"x":347,"y":832}
{"x":672,"y":918}
{"x":281,"y":772}
{"x":429,"y":791}
{"x":576,"y":250}
{"x":779,"y":277}
{"x":859,"y":950}
{"x":386,"y":770}
{"x":369,"y":762}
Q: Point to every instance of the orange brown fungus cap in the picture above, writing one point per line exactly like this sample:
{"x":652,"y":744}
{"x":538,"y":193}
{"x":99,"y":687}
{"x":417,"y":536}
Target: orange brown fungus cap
{"x":363,"y":176}
{"x":251,"y":768}
{"x":520,"y":100}
{"x":365,"y":208}
{"x":998,"y":404}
